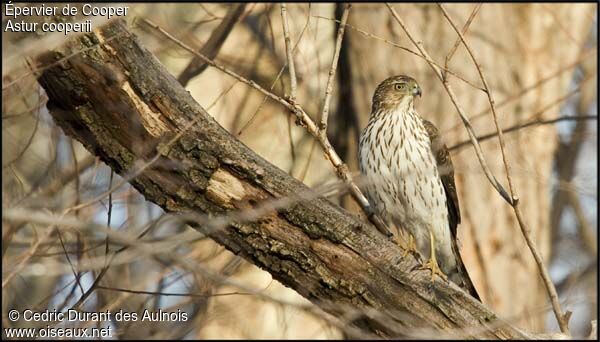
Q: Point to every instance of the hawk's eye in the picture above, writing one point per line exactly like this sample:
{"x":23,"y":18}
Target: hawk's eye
{"x":400,"y":86}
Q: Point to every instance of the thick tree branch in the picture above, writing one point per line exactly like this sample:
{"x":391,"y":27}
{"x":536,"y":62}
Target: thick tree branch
{"x":120,"y":102}
{"x":304,"y":120}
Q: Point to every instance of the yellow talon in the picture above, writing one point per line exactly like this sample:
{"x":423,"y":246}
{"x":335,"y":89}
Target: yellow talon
{"x":433,"y":266}
{"x":411,"y":246}
{"x":432,"y":263}
{"x":407,"y":246}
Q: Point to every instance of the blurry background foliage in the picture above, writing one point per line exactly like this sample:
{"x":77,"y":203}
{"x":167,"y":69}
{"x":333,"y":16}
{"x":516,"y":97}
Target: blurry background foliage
{"x":540,"y":60}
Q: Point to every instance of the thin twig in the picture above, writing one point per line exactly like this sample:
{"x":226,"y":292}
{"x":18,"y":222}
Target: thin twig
{"x":293,"y":156}
{"x":41,"y":103}
{"x":524,"y":91}
{"x":76,"y":274}
{"x":577,"y":276}
{"x":30,"y":253}
{"x":459,"y":108}
{"x":560,"y":317}
{"x":586,"y":231}
{"x":464,"y":31}
{"x":561,"y":27}
{"x":109,"y":215}
{"x":334,"y":63}
{"x":167,"y":294}
{"x":108,"y":260}
{"x":62,"y":180}
{"x":214,"y":43}
{"x":220,"y":96}
{"x":303,"y":119}
{"x":141,"y":250}
{"x":304,"y":171}
{"x":278,"y":77}
{"x":57,"y":62}
{"x":534,"y":122}
{"x":288,"y":51}
{"x":568,"y":151}
{"x":27,"y":144}
{"x":396,"y":45}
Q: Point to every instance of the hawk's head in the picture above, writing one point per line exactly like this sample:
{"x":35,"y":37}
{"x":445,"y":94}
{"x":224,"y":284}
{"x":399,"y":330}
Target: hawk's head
{"x":395,"y":91}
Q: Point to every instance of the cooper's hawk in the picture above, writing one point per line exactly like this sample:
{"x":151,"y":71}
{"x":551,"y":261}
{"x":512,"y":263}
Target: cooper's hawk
{"x":409,"y":177}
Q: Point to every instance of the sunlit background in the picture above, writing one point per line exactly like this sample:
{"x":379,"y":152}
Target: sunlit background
{"x":540,"y":61}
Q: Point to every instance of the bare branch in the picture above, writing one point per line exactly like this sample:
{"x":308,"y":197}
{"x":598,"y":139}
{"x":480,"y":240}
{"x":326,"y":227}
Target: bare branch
{"x":305,"y":120}
{"x":326,"y":254}
{"x":28,"y":255}
{"x":62,"y":179}
{"x":170,"y":294}
{"x":524,"y":91}
{"x":517,"y":127}
{"x":585,"y":230}
{"x":396,"y":45}
{"x":288,"y":50}
{"x":461,"y":112}
{"x":213,"y":45}
{"x":464,"y":31}
{"x":278,"y":77}
{"x":27,"y":144}
{"x":563,"y":319}
{"x":334,"y":62}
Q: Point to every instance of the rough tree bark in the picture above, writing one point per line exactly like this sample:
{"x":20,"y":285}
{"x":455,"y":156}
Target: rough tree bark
{"x":107,"y":91}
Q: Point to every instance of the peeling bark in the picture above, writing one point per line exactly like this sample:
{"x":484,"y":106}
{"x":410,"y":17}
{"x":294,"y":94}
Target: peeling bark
{"x":118,"y":100}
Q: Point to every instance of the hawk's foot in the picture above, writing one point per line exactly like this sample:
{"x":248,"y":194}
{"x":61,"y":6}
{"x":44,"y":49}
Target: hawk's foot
{"x":433,"y":266}
{"x":407,"y":246}
{"x":410,"y":247}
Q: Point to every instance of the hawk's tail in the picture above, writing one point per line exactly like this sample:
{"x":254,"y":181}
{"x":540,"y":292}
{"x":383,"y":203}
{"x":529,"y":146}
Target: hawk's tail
{"x":462,"y":279}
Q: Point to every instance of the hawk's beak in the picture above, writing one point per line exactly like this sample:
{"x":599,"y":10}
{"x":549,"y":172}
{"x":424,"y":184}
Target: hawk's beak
{"x":417,"y":91}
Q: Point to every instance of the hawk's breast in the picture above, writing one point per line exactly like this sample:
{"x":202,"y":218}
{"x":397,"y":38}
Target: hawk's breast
{"x":401,"y":176}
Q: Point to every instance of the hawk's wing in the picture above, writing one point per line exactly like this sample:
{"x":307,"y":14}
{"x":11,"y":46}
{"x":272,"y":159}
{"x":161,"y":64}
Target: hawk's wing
{"x":446,"y":171}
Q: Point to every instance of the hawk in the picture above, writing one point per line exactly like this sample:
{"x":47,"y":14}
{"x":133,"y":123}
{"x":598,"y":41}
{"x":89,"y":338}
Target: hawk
{"x":409,"y":178}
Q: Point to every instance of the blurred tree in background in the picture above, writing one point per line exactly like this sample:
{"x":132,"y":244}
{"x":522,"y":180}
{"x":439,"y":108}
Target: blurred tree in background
{"x":540,"y":62}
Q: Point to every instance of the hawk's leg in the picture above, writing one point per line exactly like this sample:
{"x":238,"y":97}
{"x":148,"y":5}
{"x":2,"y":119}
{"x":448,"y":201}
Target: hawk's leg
{"x":411,"y":246}
{"x":407,"y":246}
{"x":432,"y":263}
